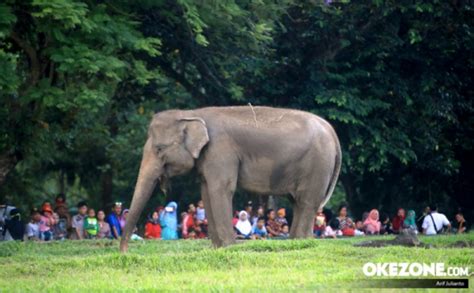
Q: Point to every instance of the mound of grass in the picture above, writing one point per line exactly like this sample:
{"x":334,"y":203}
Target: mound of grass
{"x":194,"y":265}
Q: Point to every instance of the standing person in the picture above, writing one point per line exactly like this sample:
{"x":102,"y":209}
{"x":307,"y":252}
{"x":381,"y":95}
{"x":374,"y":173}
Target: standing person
{"x":114,"y":220}
{"x":104,"y":227}
{"x":91,"y":225}
{"x":152,"y":226}
{"x":65,"y":220}
{"x":397,"y":222}
{"x":273,"y":228}
{"x":188,"y":221}
{"x":435,"y":222}
{"x":14,"y":225}
{"x":33,"y":229}
{"x":410,"y":221}
{"x":60,"y":228}
{"x":78,"y":221}
{"x":319,"y":223}
{"x":372,"y":224}
{"x":243,"y":226}
{"x":47,"y":222}
{"x":463,"y":226}
{"x":346,"y":224}
{"x":169,"y":222}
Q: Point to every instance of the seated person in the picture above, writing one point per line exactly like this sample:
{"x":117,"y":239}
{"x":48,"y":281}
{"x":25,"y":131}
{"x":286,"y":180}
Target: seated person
{"x":259,"y":231}
{"x":32,"y":229}
{"x":463,"y":226}
{"x":243,"y":226}
{"x":319,"y":223}
{"x":273,"y":228}
{"x":372,"y":224}
{"x":285,"y":231}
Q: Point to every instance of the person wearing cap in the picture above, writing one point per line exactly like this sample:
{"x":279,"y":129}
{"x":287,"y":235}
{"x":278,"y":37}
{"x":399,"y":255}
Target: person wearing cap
{"x":280,"y":219}
{"x":46,"y":222}
{"x":114,"y":220}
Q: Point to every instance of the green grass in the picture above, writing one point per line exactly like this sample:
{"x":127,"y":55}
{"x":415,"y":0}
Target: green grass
{"x":193,"y":265}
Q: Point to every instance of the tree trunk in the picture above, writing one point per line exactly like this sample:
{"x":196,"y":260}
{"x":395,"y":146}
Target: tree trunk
{"x":107,"y":188}
{"x":7,"y":163}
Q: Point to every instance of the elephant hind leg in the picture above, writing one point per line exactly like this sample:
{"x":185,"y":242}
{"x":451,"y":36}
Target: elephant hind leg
{"x":304,"y":208}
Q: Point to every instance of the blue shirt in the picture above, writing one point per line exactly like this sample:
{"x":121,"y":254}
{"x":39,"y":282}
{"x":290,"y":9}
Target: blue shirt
{"x":260,"y":232}
{"x":113,"y":221}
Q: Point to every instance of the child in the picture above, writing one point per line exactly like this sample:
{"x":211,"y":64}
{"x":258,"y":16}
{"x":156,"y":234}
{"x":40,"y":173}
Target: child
{"x":319,"y":224}
{"x":91,"y":226}
{"x":243,"y":226}
{"x":280,"y":219}
{"x":359,"y":229}
{"x":285,"y":231}
{"x":46,"y":222}
{"x":32,"y":229}
{"x":60,"y":228}
{"x":104,"y":227}
{"x":152,"y":227}
{"x":200,"y":211}
{"x":259,"y":231}
{"x":78,"y":221}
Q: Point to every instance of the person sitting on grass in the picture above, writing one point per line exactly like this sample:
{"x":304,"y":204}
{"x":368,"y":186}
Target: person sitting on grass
{"x":285,"y":231}
{"x":397,"y":222}
{"x":410,"y":221}
{"x":359,"y":229}
{"x":114,"y":220}
{"x":319,"y":223}
{"x":435,"y":222}
{"x":33,"y":229}
{"x":273,"y":228}
{"x":331,"y":230}
{"x":104,"y":227}
{"x":91,"y":225}
{"x":78,"y":221}
{"x":123,"y":219}
{"x":259,"y":231}
{"x":462,"y":225}
{"x":386,"y":227}
{"x":47,"y":222}
{"x":152,"y":226}
{"x":235,"y":218}
{"x":243,"y":228}
{"x":169,"y":222}
{"x":346,"y":225}
{"x":372,"y":224}
{"x":260,"y":214}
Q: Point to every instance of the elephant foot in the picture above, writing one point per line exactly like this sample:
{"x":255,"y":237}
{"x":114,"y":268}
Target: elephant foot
{"x":217,"y":243}
{"x":123,"y":246}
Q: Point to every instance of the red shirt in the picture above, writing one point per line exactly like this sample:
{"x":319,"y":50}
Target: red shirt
{"x":152,"y":231}
{"x":397,"y":223}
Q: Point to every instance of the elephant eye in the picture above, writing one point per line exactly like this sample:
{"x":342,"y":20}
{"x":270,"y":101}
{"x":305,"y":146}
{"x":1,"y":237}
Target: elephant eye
{"x":160,"y":147}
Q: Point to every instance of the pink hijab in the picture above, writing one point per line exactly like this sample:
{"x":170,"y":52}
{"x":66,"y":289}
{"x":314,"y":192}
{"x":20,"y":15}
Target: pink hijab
{"x":372,"y":222}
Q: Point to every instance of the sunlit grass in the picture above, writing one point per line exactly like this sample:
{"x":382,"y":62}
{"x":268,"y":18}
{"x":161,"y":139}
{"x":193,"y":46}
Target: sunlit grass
{"x":194,"y":265}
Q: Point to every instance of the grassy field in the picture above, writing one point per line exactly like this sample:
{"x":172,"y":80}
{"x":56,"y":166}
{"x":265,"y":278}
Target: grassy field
{"x":192,"y":265}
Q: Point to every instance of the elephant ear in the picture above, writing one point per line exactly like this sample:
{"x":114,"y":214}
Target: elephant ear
{"x":195,"y":135}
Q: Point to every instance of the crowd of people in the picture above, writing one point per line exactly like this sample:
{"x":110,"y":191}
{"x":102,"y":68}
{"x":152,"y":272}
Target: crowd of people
{"x":55,"y":223}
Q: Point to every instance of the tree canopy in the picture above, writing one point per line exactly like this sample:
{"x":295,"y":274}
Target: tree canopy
{"x":80,"y":80}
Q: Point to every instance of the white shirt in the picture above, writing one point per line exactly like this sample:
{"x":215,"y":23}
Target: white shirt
{"x":438,"y":218}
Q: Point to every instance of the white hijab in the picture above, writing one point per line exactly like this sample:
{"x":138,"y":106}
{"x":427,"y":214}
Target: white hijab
{"x":244,"y":227}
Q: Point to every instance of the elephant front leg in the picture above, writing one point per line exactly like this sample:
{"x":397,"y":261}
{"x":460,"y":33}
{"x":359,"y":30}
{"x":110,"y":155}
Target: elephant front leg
{"x":217,"y":195}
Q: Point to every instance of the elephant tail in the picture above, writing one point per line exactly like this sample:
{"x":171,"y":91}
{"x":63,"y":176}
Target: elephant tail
{"x":335,"y":173}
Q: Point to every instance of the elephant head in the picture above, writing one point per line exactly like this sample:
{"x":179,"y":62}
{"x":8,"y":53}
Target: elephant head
{"x":174,"y":143}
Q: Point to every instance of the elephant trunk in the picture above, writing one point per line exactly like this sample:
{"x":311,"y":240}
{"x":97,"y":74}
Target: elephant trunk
{"x":146,"y":183}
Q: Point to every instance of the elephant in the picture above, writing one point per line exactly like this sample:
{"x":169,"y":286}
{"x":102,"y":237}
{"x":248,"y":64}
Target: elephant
{"x":262,"y":150}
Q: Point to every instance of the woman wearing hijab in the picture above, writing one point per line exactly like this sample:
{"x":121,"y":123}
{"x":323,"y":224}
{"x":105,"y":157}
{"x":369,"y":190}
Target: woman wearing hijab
{"x":169,"y":222}
{"x":410,"y":221}
{"x":372,"y":223}
{"x":123,"y":219}
{"x":243,"y":226}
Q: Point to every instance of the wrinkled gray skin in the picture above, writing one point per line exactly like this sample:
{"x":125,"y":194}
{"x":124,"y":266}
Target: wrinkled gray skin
{"x":263,"y":150}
